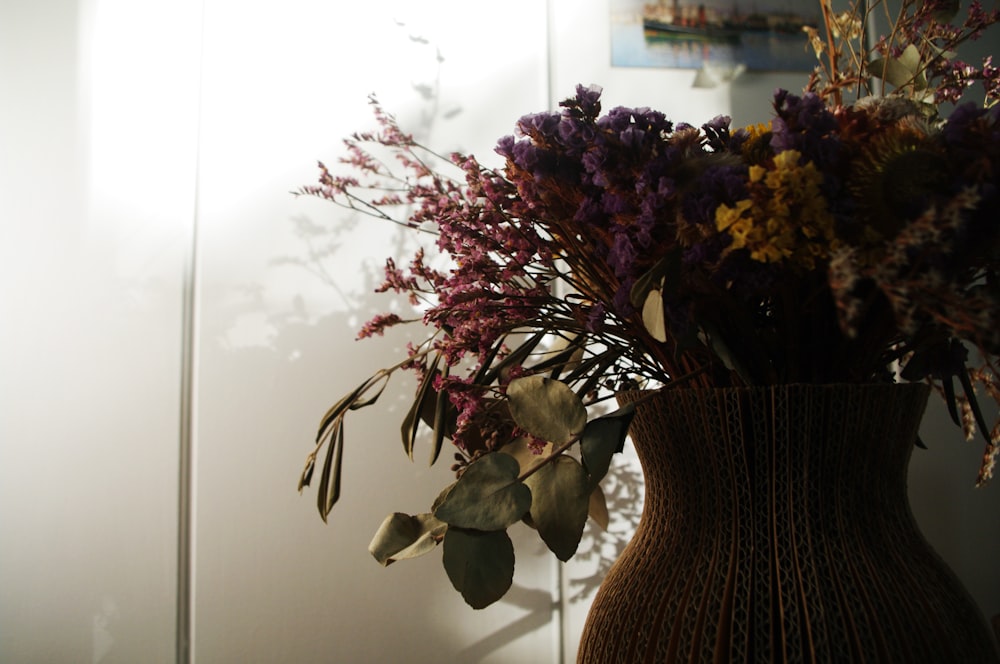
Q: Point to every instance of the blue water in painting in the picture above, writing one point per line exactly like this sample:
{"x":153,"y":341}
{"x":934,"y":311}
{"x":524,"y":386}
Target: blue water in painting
{"x":759,"y":51}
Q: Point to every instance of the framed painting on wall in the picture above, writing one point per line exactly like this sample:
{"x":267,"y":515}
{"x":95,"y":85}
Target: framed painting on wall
{"x":763,"y":35}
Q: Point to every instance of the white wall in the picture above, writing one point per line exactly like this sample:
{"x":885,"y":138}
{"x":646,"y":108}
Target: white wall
{"x":130,"y":129}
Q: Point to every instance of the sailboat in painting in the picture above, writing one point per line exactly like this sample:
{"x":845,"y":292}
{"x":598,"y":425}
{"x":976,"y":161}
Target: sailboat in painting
{"x":664,"y":20}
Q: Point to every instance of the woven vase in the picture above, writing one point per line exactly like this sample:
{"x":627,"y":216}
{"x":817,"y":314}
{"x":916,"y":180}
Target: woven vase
{"x":776,"y":528}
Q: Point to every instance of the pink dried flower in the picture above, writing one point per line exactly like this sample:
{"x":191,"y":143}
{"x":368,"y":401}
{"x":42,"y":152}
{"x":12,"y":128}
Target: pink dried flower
{"x":378,"y":325}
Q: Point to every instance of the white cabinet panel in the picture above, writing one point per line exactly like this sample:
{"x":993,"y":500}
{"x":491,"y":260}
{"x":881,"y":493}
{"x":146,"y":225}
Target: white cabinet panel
{"x":285,"y":283}
{"x":97,"y":117}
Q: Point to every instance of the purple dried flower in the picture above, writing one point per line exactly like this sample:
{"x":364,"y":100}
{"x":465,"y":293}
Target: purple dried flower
{"x":623,"y":254}
{"x":587,"y":101}
{"x":717,"y":133}
{"x":595,"y":317}
{"x":723,"y":184}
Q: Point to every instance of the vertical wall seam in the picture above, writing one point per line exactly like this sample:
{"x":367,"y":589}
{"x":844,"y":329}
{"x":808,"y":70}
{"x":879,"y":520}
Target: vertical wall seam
{"x":549,"y":54}
{"x":559,"y":601}
{"x":185,"y":461}
{"x":189,"y":318}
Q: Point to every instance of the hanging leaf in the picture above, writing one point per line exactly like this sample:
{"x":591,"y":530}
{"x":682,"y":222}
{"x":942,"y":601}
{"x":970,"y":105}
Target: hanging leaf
{"x":424,"y":397}
{"x":595,"y":364}
{"x":307,"y":472}
{"x":519,"y":355}
{"x":331,"y":430}
{"x":606,"y":361}
{"x":970,"y":395}
{"x":547,"y":409}
{"x":597,"y":508}
{"x":329,"y":480}
{"x":487,"y":361}
{"x":479,"y":564}
{"x":667,"y":270}
{"x":402,"y":536}
{"x":732,"y":361}
{"x":438,"y":413}
{"x":950,"y":399}
{"x":352,"y":401}
{"x":653,"y":317}
{"x":488,"y":495}
{"x":560,"y":499}
{"x":602,"y":438}
{"x":381,"y":379}
{"x":515,"y":358}
{"x":442,"y":423}
{"x":528,"y":522}
{"x":906,"y":70}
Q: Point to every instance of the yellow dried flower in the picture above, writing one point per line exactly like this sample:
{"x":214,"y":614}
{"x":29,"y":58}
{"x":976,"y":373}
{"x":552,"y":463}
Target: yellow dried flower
{"x":756,"y":148}
{"x":785,"y":217}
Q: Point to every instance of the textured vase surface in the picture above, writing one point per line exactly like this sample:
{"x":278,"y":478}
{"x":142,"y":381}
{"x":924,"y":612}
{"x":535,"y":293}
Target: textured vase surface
{"x":776,"y":528}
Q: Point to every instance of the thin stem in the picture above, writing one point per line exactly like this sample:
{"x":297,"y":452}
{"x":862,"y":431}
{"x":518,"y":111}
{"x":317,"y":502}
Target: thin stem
{"x":831,"y":49}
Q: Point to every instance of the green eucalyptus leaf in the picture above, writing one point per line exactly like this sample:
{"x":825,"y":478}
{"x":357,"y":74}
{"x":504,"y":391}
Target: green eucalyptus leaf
{"x":479,"y":564}
{"x":560,"y":501}
{"x":402,"y":536}
{"x":483,"y":376}
{"x":602,"y":438}
{"x":307,"y":473}
{"x":441,"y":496}
{"x":381,"y":380}
{"x":547,"y":409}
{"x":442,"y":421}
{"x":424,"y":398}
{"x":328,"y":492}
{"x":523,"y":346}
{"x":518,"y":356}
{"x":351,"y":401}
{"x":949,"y":398}
{"x":520,"y":449}
{"x":488,"y":495}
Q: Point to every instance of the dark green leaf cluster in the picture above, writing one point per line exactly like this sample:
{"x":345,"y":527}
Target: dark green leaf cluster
{"x":551,"y":492}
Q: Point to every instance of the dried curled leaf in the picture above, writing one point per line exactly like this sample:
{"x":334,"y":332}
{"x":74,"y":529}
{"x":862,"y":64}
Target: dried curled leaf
{"x":402,"y":536}
{"x":547,"y":409}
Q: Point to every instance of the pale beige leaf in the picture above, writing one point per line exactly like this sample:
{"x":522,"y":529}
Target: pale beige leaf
{"x":652,"y":315}
{"x":598,"y":508}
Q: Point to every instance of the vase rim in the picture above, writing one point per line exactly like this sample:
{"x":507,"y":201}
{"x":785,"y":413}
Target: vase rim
{"x":915,"y":386}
